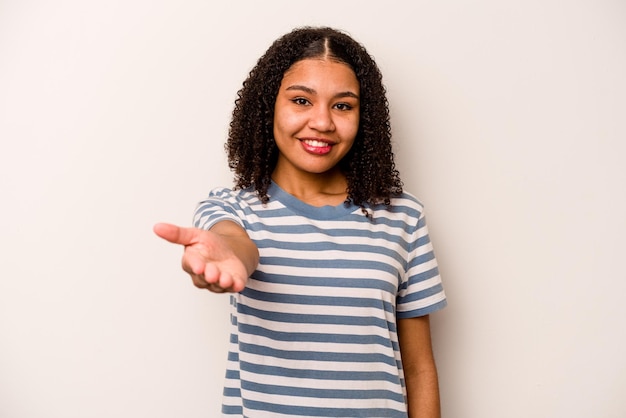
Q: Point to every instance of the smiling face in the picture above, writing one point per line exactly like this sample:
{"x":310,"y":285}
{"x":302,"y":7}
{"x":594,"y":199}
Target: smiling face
{"x":316,"y":119}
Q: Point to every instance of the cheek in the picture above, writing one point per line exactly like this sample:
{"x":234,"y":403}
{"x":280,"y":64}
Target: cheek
{"x":285,"y":123}
{"x":350,"y":128}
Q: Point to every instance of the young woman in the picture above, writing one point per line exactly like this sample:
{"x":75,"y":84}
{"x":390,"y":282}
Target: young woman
{"x":328,"y":260}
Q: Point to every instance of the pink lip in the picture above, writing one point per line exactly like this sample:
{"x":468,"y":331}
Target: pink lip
{"x":316,"y":149}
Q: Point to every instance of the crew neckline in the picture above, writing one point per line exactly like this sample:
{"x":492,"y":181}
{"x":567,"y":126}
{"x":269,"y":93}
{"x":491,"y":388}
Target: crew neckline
{"x":313,"y":212}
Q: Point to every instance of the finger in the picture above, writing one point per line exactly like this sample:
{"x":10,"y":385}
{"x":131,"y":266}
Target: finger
{"x":216,"y":288}
{"x":225,"y":281}
{"x":231,"y":283}
{"x":193,"y":263}
{"x":238,"y":286}
{"x":176,"y":234}
{"x":211,"y":274}
{"x":199,"y":282}
{"x":222,"y":282}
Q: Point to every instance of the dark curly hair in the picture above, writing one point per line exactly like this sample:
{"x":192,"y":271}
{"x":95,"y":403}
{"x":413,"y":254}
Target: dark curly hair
{"x":369,"y":166}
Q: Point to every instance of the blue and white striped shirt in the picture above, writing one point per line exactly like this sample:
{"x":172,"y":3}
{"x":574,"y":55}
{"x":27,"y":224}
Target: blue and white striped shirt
{"x":313,"y":334}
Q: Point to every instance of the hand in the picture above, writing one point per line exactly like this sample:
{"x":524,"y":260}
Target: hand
{"x":208,"y":257}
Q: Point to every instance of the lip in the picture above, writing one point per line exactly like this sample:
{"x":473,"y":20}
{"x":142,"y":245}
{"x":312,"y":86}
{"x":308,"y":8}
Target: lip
{"x":316,"y":146}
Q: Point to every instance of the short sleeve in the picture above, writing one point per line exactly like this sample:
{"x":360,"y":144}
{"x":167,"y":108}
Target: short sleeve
{"x":221,"y":205}
{"x":421,"y":291}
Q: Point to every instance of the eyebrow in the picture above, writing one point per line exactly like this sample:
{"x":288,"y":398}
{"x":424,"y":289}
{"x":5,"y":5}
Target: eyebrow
{"x":312,"y":91}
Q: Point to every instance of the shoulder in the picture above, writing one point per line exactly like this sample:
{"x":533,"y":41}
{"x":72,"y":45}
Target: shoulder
{"x":223,"y":203}
{"x":404,"y":204}
{"x":227,"y":193}
{"x":224,"y":198}
{"x":239,"y":197}
{"x":409,"y":200}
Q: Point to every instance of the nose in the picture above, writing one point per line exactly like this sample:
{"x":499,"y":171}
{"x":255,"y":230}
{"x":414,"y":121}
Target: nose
{"x":321,"y":119}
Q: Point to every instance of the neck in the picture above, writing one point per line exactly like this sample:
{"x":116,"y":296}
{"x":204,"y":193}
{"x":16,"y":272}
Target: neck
{"x":315,"y":189}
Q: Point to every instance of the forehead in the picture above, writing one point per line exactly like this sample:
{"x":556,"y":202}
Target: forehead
{"x":321,"y":69}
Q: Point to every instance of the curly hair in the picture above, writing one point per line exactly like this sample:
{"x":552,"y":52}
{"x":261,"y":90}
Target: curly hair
{"x":369,"y":166}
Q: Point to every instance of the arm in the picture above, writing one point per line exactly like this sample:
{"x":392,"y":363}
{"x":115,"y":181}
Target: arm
{"x":420,"y":372}
{"x":220,"y":259}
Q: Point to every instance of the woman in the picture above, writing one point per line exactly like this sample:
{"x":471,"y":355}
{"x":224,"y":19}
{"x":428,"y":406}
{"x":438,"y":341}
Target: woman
{"x":328,"y":260}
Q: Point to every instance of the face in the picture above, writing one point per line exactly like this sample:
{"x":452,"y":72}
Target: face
{"x":316,"y":117}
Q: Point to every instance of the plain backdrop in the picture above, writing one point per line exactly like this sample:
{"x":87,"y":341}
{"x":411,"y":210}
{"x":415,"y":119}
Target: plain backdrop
{"x":509,"y":124}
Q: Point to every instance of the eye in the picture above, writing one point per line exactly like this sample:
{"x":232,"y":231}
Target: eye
{"x":343,"y":106}
{"x":300,"y":101}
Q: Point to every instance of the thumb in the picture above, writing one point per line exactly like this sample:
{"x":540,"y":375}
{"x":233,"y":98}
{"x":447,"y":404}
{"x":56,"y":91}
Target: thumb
{"x":176,"y":234}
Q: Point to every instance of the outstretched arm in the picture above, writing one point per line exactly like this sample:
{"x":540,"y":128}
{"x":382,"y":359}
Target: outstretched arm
{"x":420,"y":372}
{"x":220,"y":259}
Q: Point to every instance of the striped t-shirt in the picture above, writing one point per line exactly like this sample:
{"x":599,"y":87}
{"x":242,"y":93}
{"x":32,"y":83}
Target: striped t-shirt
{"x":313,"y":334}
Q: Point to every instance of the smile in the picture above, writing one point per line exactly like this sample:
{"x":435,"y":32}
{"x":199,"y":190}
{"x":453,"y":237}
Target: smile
{"x":315,"y":146}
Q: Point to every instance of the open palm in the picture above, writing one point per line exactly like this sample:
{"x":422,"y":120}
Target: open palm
{"x":208,"y":258}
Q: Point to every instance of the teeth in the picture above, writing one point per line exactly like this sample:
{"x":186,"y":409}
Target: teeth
{"x":315,"y":143}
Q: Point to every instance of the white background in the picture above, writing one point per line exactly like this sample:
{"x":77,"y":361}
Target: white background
{"x":509,"y":123}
